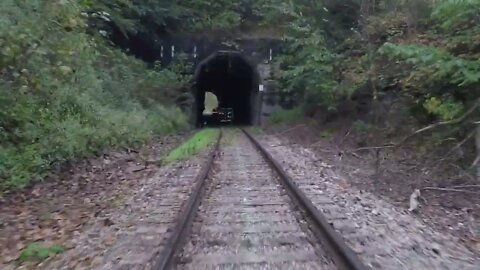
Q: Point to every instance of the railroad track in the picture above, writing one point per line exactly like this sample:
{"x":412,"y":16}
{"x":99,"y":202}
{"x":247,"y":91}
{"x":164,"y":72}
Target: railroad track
{"x":245,"y":212}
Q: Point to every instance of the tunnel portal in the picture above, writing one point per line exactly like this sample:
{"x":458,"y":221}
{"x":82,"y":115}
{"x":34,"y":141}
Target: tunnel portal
{"x":233,"y":80}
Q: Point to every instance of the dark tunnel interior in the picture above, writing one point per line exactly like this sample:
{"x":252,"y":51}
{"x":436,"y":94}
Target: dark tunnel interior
{"x":233,"y":80}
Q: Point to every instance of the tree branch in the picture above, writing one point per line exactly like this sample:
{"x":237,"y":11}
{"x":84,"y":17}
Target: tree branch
{"x":444,"y":123}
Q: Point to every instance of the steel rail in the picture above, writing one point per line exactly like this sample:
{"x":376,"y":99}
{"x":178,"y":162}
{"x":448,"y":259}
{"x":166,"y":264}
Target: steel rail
{"x":343,"y":256}
{"x":174,"y":242}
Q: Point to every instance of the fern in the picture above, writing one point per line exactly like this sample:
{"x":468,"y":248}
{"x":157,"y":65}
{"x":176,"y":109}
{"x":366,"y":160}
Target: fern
{"x":454,"y":13}
{"x":441,"y":65}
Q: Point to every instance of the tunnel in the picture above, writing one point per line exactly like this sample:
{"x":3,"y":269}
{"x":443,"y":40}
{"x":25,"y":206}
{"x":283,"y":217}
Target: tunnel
{"x":234,"y":81}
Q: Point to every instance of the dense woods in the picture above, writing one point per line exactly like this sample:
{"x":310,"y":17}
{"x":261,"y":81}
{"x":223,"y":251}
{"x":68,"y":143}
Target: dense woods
{"x":66,"y":91}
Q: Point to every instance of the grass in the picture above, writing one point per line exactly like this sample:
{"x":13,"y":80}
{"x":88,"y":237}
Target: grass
{"x":196,"y":144}
{"x":37,"y":252}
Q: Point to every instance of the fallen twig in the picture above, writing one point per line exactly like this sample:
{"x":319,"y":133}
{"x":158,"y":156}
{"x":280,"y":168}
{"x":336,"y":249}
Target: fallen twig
{"x":375,"y":147}
{"x":345,"y":137}
{"x":147,"y":162}
{"x":354,"y":154}
{"x":290,"y":129}
{"x":466,"y":186}
{"x":325,"y":151}
{"x":465,"y":173}
{"x":130,"y":150}
{"x":429,"y":127}
{"x":436,"y":163}
{"x":140,"y":169}
{"x":476,"y":161}
{"x":451,"y":189}
{"x":284,"y":144}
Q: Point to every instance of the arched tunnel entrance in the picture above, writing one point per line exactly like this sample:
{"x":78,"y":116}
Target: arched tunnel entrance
{"x":234,"y":81}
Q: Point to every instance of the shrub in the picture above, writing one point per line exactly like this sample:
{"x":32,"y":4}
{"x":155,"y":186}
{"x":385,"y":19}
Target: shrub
{"x":445,"y":109}
{"x":65,"y":94}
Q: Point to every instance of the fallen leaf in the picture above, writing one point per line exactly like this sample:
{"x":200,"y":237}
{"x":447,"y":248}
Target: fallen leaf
{"x":109,"y":240}
{"x":108,"y":222}
{"x":36,"y":192}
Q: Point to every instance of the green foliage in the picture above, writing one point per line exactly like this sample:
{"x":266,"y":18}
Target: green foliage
{"x":196,"y":144}
{"x":37,"y":252}
{"x":308,"y":65}
{"x":436,"y":77}
{"x":186,"y":15}
{"x":286,"y":116}
{"x":224,"y":14}
{"x":455,"y":13}
{"x":65,"y":94}
{"x":433,"y":65}
{"x":445,"y":109}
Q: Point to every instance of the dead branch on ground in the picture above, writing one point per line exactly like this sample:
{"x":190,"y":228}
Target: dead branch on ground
{"x":290,"y":129}
{"x":345,"y":137}
{"x":451,"y":190}
{"x":466,"y":186}
{"x":375,"y":147}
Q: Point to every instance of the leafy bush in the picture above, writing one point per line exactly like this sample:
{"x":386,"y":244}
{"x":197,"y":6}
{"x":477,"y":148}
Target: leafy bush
{"x":439,"y":80}
{"x":442,"y":65}
{"x":455,"y":13}
{"x":434,"y":68}
{"x":445,"y":109}
{"x":308,"y":67}
{"x":65,"y":94}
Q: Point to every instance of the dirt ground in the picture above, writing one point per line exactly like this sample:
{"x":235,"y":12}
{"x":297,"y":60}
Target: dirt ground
{"x":52,"y":211}
{"x":450,"y":197}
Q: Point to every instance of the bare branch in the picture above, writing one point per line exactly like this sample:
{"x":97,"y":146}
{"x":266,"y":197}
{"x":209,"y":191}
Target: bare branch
{"x":444,"y":123}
